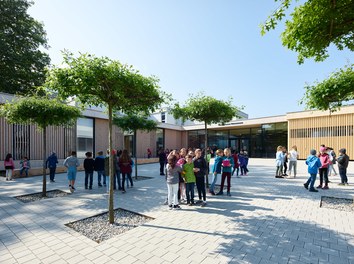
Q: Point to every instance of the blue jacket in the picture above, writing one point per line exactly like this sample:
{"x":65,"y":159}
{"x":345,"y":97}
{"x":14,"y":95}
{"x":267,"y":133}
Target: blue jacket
{"x":52,"y":161}
{"x":217,"y":165}
{"x":313,"y":164}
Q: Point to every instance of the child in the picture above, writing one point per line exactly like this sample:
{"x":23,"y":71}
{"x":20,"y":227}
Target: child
{"x":279,"y":159}
{"x":182,"y":185}
{"x":172,"y":179}
{"x":89,"y":163}
{"x":293,"y":156}
{"x":244,"y":165}
{"x":236,"y":164}
{"x":227,"y":164}
{"x":200,"y":163}
{"x":25,"y":165}
{"x":189,"y":178}
{"x":343,"y":161}
{"x":324,"y":158}
{"x":9,"y":166}
{"x":313,"y":164}
{"x":125,"y":164}
{"x":72,"y":163}
{"x":216,"y":170}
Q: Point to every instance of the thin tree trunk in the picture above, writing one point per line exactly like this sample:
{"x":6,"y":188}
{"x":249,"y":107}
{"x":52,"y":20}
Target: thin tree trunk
{"x":44,"y":188}
{"x":136,"y":159}
{"x":111,"y":176}
{"x":205,"y":152}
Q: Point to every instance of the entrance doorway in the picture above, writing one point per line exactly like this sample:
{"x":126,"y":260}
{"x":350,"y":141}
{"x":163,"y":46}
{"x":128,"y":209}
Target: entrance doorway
{"x":240,"y":144}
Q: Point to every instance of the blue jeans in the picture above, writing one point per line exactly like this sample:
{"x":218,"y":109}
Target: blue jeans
{"x":343,"y":175}
{"x":26,"y":171}
{"x":213,"y":182}
{"x":99,"y":174}
{"x":190,"y":192}
{"x":311,"y":181}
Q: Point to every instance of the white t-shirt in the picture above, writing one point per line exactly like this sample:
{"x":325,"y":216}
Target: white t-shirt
{"x":293,"y":155}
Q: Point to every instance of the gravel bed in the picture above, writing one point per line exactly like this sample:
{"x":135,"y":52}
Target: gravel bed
{"x":99,"y":229}
{"x":32,"y":197}
{"x":341,"y":204}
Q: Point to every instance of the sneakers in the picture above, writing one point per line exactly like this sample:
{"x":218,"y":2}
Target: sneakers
{"x":191,"y":204}
{"x":177,"y":207}
{"x":228,"y":194}
{"x":170,"y":207}
{"x":306,"y":185}
{"x":99,"y":185}
{"x":220,"y":193}
{"x":86,"y":187}
{"x":313,"y":190}
{"x":199,"y":201}
{"x":325,"y":187}
{"x":319,"y":186}
{"x":203,"y":204}
{"x":278,"y":176}
{"x":72,"y":187}
{"x":52,"y":180}
{"x":90,"y":188}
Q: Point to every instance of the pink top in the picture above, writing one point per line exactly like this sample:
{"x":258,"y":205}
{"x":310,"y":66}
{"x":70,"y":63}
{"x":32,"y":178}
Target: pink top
{"x":324,"y":158}
{"x":9,"y":163}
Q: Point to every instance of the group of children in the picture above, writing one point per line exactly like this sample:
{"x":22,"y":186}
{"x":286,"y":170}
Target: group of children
{"x":282,"y":157}
{"x":185,"y":170}
{"x":122,"y":164}
{"x":320,"y":164}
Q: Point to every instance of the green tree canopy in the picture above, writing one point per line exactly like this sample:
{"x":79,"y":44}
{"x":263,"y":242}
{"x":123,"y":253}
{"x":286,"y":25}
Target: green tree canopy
{"x":205,"y":109}
{"x":332,"y":92}
{"x":22,"y":63}
{"x":314,"y":26}
{"x":43,"y":112}
{"x":102,"y":81}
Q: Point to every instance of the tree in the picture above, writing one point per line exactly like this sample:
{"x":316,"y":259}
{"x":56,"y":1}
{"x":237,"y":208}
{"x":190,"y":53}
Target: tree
{"x":206,"y":109}
{"x":132,"y":123}
{"x":102,"y":81}
{"x":314,"y":26}
{"x":43,"y":112}
{"x":330,"y":93}
{"x":22,"y":63}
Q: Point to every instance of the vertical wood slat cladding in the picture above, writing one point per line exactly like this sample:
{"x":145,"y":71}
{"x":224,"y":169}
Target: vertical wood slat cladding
{"x":335,"y":131}
{"x":26,"y":140}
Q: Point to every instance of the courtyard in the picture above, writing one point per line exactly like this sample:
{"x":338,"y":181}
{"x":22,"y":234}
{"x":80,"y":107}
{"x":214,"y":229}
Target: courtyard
{"x":266,"y":220}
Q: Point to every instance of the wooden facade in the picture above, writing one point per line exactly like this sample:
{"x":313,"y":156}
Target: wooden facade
{"x":309,"y":129}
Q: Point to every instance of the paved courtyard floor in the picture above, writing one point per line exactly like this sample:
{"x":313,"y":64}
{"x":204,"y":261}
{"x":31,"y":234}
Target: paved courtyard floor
{"x":266,"y":220}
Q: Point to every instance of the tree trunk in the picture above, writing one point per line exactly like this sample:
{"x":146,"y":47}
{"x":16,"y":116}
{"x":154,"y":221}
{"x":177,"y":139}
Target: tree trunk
{"x":205,"y":152}
{"x":44,"y":187}
{"x":136,"y":159}
{"x":111,"y":176}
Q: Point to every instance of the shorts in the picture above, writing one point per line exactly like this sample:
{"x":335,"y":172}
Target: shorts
{"x":71,"y":174}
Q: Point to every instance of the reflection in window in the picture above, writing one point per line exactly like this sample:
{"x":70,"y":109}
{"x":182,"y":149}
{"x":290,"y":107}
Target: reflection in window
{"x":84,"y":136}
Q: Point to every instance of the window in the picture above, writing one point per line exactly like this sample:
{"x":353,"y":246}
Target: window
{"x":21,"y":135}
{"x":84,"y":136}
{"x":163,"y":117}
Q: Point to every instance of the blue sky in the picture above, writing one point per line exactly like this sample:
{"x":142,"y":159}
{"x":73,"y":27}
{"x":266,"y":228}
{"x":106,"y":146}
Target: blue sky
{"x":191,"y":46}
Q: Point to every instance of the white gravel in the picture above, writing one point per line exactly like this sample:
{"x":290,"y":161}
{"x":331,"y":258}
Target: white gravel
{"x":341,"y":204}
{"x":99,"y":229}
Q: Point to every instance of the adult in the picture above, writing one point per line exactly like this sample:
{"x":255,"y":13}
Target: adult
{"x":71,"y":163}
{"x":51,"y":163}
{"x":293,"y":156}
{"x":99,"y":167}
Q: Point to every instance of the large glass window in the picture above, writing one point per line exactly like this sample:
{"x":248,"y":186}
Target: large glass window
{"x":160,"y":140}
{"x":84,"y":136}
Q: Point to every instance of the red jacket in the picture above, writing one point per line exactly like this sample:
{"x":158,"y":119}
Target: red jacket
{"x":125,"y":167}
{"x":236,"y":163}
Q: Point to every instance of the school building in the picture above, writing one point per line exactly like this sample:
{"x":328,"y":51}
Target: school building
{"x":259,"y":136}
